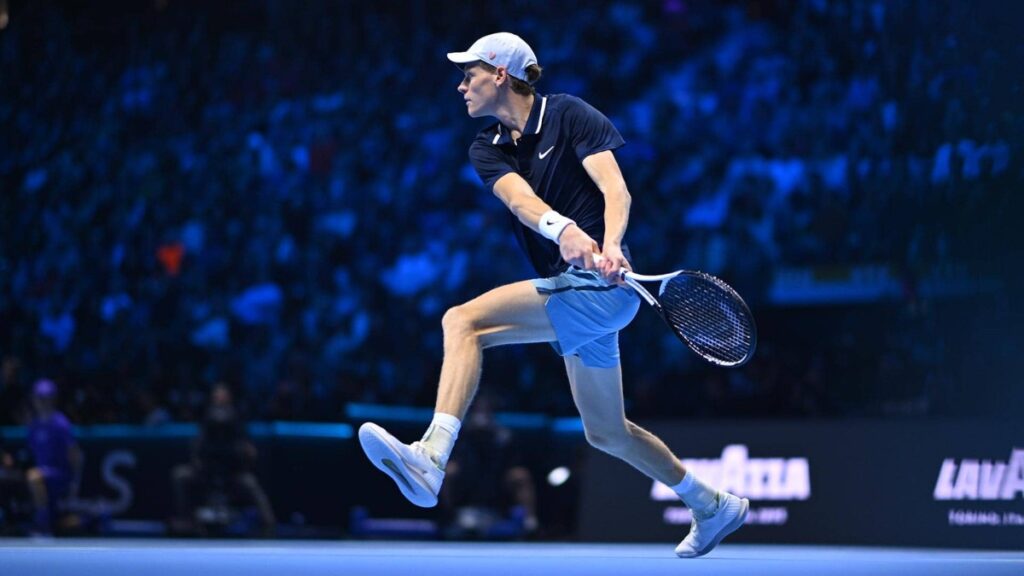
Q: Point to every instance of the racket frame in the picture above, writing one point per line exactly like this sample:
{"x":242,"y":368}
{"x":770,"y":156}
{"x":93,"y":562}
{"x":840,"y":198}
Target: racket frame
{"x":633,"y":280}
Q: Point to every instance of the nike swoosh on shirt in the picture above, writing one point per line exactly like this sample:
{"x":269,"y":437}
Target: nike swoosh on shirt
{"x":546,"y":152}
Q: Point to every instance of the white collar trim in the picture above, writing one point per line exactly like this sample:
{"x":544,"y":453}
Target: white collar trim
{"x":543,"y":106}
{"x":540,"y":120}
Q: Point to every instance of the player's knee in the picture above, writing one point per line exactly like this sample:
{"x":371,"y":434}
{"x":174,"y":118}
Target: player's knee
{"x":614,"y":441}
{"x":457,"y":323}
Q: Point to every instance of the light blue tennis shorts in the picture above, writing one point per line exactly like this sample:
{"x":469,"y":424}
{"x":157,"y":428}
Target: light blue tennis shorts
{"x":587,"y":314}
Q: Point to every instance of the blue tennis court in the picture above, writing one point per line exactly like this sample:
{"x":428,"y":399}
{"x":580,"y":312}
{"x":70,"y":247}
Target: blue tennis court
{"x":170,"y":558}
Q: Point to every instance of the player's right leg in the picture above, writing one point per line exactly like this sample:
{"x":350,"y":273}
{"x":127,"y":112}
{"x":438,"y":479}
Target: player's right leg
{"x":597,"y":392}
{"x":509,"y":314}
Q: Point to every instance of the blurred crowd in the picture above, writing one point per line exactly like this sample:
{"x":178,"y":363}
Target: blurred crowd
{"x":278,"y":195}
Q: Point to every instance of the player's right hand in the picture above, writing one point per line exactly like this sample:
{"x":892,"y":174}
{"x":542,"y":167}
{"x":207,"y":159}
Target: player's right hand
{"x":612,"y":260}
{"x":577,"y":248}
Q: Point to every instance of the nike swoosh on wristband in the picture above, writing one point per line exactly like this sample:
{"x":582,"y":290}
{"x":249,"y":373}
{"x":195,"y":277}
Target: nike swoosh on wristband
{"x":546,"y":152}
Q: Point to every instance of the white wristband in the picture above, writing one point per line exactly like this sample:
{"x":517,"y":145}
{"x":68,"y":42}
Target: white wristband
{"x":552,"y":224}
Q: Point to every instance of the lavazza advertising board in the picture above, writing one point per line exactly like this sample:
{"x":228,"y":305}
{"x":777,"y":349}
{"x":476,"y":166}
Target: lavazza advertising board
{"x":923,"y":483}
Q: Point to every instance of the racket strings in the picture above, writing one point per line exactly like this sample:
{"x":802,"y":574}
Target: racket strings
{"x":710,"y":317}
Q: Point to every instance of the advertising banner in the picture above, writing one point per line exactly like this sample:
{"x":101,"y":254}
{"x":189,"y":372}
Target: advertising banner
{"x":958,"y":484}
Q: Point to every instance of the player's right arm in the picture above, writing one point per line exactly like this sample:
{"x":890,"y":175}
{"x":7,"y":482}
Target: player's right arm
{"x":576,"y":247}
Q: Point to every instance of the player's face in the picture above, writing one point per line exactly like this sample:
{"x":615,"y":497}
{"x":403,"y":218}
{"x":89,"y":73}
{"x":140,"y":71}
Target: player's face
{"x":479,"y":91}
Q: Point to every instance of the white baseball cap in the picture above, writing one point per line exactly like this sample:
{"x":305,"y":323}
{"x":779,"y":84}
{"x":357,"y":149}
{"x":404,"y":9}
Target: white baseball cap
{"x":499,"y":49}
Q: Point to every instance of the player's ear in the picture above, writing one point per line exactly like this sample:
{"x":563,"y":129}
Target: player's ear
{"x":500,"y":75}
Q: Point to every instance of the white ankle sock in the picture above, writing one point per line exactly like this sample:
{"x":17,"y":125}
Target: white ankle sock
{"x":698,"y":496}
{"x":440,"y":437}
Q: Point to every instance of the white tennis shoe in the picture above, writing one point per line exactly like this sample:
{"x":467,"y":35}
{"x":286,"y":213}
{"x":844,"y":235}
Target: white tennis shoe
{"x":706,"y":533}
{"x":409,"y":465}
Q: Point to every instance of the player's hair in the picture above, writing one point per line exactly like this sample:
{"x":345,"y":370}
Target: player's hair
{"x":533,"y":72}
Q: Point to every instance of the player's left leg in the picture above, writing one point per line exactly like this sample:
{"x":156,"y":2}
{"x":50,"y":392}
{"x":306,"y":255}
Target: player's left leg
{"x":597,"y":391}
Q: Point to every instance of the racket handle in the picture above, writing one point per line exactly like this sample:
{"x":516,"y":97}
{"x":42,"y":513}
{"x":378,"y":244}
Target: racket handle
{"x":622,"y":271}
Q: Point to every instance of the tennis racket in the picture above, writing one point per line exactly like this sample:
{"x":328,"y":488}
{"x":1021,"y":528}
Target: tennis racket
{"x":703,"y":311}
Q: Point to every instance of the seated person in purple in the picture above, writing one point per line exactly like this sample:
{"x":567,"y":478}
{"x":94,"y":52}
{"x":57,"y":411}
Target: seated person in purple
{"x":57,"y":458}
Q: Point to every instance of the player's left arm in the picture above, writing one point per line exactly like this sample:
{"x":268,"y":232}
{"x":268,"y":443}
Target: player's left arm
{"x":605,"y":172}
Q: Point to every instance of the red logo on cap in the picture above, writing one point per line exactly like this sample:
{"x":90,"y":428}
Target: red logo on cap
{"x":491,"y":55}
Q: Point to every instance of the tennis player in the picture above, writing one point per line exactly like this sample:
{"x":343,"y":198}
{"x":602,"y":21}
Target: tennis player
{"x":551,"y":160}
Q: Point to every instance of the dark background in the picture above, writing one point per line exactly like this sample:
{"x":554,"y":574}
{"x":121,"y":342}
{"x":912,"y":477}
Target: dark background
{"x":277,"y":195}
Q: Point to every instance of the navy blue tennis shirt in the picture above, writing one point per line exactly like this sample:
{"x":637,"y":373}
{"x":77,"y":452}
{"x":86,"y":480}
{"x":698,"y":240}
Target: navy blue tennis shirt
{"x":561,"y":131}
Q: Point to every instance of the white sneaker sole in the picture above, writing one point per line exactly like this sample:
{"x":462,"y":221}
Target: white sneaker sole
{"x":380,"y":448}
{"x":728,"y":529}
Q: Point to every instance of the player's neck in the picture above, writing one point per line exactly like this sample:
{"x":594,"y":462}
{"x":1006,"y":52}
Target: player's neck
{"x":515,"y":112}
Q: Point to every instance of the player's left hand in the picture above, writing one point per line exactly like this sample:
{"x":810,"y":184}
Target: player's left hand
{"x":614,"y":260}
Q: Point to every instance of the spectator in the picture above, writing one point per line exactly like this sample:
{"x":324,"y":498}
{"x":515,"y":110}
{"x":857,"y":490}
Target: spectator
{"x":222,"y":462}
{"x":487,"y":482}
